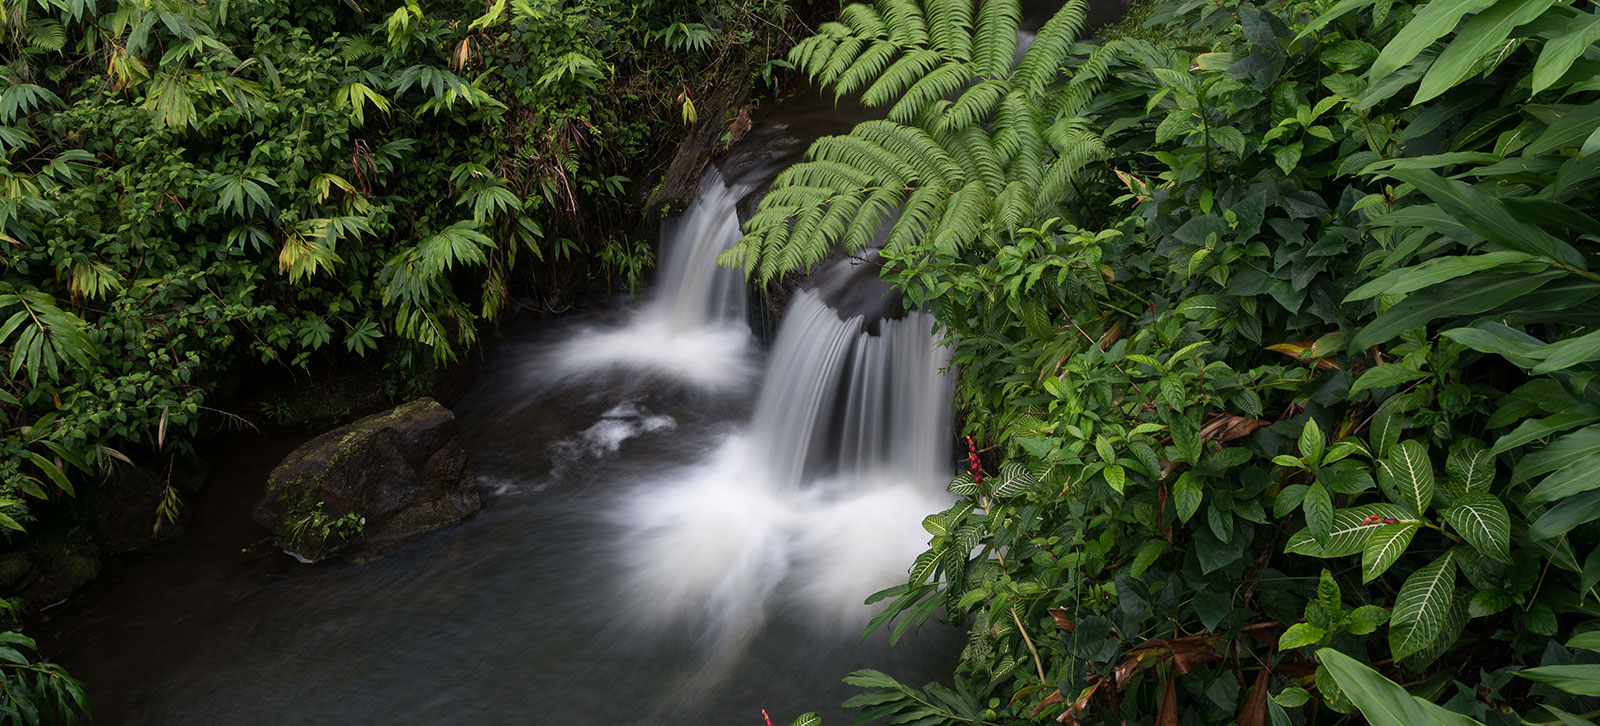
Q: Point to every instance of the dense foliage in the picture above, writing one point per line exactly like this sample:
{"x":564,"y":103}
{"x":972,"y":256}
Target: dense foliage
{"x":1277,"y":335}
{"x":190,"y":191}
{"x":191,"y":188}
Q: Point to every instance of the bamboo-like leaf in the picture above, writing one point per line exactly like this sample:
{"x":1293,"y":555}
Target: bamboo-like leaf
{"x":1432,"y":272}
{"x":1573,"y":459}
{"x":1560,"y":52}
{"x":1382,"y":701}
{"x":1430,"y":23}
{"x":1583,"y":679}
{"x":1482,"y":34}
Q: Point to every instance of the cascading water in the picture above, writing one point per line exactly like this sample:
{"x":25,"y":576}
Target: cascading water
{"x":818,"y":505}
{"x":694,"y":331}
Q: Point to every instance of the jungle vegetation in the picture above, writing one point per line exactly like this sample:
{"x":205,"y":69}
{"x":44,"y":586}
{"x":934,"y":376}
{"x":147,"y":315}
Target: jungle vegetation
{"x":193,"y":191}
{"x":1278,"y":328}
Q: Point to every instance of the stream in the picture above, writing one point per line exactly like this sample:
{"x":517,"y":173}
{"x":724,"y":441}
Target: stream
{"x":679,"y":524}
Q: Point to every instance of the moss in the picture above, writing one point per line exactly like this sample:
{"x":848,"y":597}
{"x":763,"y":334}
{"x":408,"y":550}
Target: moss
{"x":13,"y":567}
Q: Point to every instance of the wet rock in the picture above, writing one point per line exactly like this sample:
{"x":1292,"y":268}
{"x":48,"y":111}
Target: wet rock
{"x":121,"y":511}
{"x":14,"y":570}
{"x":371,"y":485}
{"x":51,"y":568}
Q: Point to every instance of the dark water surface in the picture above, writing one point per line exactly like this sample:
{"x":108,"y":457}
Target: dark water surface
{"x":508,"y":617}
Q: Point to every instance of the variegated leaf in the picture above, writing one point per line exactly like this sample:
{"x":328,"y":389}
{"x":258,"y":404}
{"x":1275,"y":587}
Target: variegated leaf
{"x":1481,"y":518}
{"x":1385,"y":545}
{"x":1422,"y":606}
{"x":1406,"y":476}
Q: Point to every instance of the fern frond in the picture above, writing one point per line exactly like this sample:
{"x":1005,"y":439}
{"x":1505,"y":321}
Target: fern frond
{"x":905,"y":21}
{"x":916,"y":218}
{"x":995,"y":42}
{"x":974,"y":106}
{"x":863,"y":21}
{"x":950,"y":28}
{"x":908,"y":69}
{"x":1043,"y":62}
{"x":868,"y":65}
{"x":942,"y":82}
{"x":844,"y":53}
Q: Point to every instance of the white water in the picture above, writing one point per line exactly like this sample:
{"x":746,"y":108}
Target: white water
{"x":817,"y":505}
{"x":694,"y":331}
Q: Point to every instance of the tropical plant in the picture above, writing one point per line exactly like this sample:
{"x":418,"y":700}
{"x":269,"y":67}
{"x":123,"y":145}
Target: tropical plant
{"x":1299,"y":356}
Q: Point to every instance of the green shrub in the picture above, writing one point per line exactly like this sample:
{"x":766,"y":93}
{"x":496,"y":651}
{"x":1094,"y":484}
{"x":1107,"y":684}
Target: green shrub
{"x":1276,"y":329}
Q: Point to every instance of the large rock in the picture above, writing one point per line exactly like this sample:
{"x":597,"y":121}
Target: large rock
{"x":402,"y":470}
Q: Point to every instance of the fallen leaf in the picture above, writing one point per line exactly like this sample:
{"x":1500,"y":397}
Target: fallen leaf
{"x":1225,"y":427}
{"x":1168,"y":715}
{"x":1254,"y":712}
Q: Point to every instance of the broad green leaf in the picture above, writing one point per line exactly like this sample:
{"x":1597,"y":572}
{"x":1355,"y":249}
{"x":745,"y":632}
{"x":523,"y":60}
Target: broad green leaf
{"x":1382,"y":701}
{"x":1430,"y":23}
{"x":1481,"y":518}
{"x":1406,"y":476}
{"x":1574,"y":458}
{"x":1489,"y":217}
{"x":1384,"y":546}
{"x":1421,"y":606}
{"x":1311,"y":441}
{"x":1483,"y":33}
{"x":1537,"y":428}
{"x":1300,"y":635}
{"x":1384,"y":376}
{"x":1583,"y":680}
{"x":1489,"y":602}
{"x":1434,"y":271}
{"x":807,"y":719}
{"x":1463,"y":296}
{"x":1186,"y":495}
{"x":1318,"y":506}
{"x":1116,"y":477}
{"x":1559,"y":52}
{"x":1566,"y":515}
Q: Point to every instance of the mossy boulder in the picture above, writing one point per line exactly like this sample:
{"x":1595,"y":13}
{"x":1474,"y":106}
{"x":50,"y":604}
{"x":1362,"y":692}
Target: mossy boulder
{"x":46,"y":570}
{"x":401,"y":471}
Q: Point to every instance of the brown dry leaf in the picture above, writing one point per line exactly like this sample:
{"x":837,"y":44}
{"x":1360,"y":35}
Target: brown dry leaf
{"x":1225,"y":427}
{"x":1049,"y":701}
{"x":1168,"y":715}
{"x":463,"y":52}
{"x":1111,"y":335}
{"x":1303,"y":350}
{"x":1062,"y":621}
{"x":1254,"y":712}
{"x":1070,"y":716}
{"x":1185,"y":654}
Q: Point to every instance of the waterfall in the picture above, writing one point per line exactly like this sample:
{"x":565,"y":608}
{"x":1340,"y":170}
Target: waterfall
{"x":818,"y":504}
{"x":694,"y":291}
{"x":694,"y":331}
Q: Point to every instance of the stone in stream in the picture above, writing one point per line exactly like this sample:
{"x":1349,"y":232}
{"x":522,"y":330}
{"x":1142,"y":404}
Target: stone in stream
{"x":403,"y":471}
